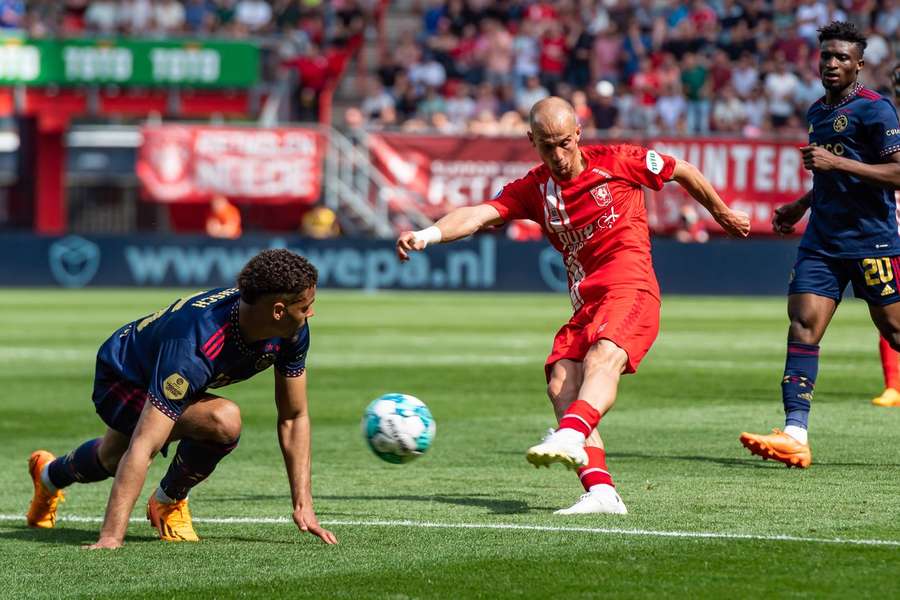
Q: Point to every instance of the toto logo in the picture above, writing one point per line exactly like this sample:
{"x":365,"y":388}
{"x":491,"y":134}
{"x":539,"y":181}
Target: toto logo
{"x":552,"y":270}
{"x":74,"y":261}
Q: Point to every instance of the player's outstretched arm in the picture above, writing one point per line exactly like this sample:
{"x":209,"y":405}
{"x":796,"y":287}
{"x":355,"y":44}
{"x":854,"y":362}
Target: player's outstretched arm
{"x":457,"y":224}
{"x":734,"y":222}
{"x":294,"y":439}
{"x":152,"y":431}
{"x":817,"y":158}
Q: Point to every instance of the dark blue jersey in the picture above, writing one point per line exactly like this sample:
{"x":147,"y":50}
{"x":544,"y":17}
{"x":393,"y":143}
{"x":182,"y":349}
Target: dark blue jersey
{"x":851,"y":218}
{"x":181,"y":350}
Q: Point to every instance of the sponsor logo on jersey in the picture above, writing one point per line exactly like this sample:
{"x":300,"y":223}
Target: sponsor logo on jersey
{"x":840,"y":123}
{"x":654,"y":162}
{"x":891,"y":132}
{"x":601,"y":173}
{"x":601,"y":195}
{"x":888,"y":290}
{"x":175,"y":387}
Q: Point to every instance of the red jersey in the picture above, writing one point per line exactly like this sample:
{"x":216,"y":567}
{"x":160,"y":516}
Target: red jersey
{"x":597,"y":221}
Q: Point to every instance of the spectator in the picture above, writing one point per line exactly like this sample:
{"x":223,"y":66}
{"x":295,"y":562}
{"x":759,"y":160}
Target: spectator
{"x":168,"y":15}
{"x":527,"y":52}
{"x":696,"y":85}
{"x":603,"y":109}
{"x":532,"y":92}
{"x":553,"y":55}
{"x":199,"y":16}
{"x":12,"y":14}
{"x":224,"y":220}
{"x":102,"y":16}
{"x":691,"y":228}
{"x":252,"y":16}
{"x":745,"y":76}
{"x":729,"y":112}
{"x":376,"y":99}
{"x":780,"y":88}
{"x":671,"y":109}
{"x":320,"y":223}
{"x":461,"y":107}
{"x":496,"y":50}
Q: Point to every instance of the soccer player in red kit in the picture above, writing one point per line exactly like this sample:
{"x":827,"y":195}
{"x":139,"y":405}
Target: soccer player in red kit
{"x":590,"y":205}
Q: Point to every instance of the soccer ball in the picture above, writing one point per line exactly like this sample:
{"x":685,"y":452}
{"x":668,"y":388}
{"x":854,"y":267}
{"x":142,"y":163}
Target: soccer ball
{"x":398,"y":427}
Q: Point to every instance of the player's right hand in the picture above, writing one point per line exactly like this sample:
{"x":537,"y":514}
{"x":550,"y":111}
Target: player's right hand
{"x":407,"y":243}
{"x":785,"y":217}
{"x":736,"y":223}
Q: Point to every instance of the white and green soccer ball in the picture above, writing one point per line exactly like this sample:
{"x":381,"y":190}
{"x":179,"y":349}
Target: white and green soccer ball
{"x":398,"y":427}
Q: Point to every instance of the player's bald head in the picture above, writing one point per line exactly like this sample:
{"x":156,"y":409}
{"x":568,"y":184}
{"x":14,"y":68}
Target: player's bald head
{"x":552,"y":115}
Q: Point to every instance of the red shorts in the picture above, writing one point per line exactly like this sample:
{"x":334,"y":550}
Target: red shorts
{"x":628,"y":318}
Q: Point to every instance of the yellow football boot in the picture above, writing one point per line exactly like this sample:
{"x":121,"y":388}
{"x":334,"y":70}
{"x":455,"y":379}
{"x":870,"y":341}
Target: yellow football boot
{"x":889,"y":397}
{"x":172,"y":521}
{"x":42,"y":511}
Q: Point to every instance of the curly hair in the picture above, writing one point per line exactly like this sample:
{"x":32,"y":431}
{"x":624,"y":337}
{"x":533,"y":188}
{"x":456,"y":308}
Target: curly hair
{"x":845,"y":32}
{"x":275,"y":272}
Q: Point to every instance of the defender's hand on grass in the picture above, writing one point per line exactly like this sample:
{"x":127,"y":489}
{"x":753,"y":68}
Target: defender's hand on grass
{"x":104,"y":543}
{"x":306,"y":520}
{"x":736,"y":223}
{"x":407,"y":243}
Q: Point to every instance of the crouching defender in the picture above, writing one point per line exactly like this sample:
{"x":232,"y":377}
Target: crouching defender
{"x":150,"y":388}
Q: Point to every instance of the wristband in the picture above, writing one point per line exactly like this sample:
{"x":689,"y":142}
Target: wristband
{"x":429,"y":235}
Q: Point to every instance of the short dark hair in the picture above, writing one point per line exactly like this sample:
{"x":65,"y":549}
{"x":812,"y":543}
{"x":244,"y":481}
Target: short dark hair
{"x":845,"y":32}
{"x":275,"y":272}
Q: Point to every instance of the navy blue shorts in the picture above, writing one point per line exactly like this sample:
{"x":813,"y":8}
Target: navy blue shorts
{"x":118,"y":402}
{"x":874,"y":279}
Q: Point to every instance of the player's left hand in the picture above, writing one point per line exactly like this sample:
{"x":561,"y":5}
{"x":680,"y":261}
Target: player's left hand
{"x":104,"y":543}
{"x":306,"y":520}
{"x":736,"y":223}
{"x":817,"y":158}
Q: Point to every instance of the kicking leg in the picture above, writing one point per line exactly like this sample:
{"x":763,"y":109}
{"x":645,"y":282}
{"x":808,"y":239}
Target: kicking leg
{"x":810,"y":315}
{"x":209,"y":430}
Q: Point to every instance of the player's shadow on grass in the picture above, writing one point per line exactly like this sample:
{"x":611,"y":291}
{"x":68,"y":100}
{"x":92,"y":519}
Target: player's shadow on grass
{"x":494,"y":505}
{"x":752,"y":462}
{"x":62,"y":535}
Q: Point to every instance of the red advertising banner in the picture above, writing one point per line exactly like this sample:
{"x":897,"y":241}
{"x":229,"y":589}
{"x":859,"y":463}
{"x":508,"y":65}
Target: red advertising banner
{"x":187,"y":163}
{"x":436,"y":174}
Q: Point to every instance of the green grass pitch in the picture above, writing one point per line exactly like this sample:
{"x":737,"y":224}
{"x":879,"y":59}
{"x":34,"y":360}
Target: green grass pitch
{"x":706,"y":519}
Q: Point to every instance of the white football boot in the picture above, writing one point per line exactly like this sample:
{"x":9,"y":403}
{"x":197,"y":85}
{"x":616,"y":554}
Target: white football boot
{"x":602,"y":500}
{"x":564,"y":446}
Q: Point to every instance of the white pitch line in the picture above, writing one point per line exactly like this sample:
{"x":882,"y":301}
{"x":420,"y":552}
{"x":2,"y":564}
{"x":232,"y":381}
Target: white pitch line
{"x":511,"y":526}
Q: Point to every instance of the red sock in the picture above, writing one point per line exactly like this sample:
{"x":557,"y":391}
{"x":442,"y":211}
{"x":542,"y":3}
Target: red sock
{"x":595,"y":472}
{"x":581,"y":417}
{"x":890,"y":364}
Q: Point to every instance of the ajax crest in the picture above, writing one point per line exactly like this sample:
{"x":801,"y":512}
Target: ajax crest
{"x":840,"y":123}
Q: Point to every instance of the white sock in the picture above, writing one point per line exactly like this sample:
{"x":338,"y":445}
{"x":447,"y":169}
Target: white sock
{"x":602,"y":488}
{"x":45,"y":479}
{"x":798,"y":433}
{"x":570,"y":435}
{"x":162,"y":497}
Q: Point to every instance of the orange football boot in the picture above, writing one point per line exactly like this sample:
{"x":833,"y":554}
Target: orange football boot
{"x":778,"y":446}
{"x":42,"y":511}
{"x":889,"y":397}
{"x":172,"y":521}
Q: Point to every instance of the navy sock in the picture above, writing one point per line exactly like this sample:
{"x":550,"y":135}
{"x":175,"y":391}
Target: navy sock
{"x":800,"y":370}
{"x":193,"y":462}
{"x":81,"y":464}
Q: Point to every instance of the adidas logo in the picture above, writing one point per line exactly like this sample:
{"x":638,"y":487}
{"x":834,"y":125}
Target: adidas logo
{"x":887,"y":291}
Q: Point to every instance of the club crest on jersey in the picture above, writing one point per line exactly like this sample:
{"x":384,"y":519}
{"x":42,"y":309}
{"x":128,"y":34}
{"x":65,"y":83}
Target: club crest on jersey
{"x":175,"y":387}
{"x":840,"y":123}
{"x":601,"y":195}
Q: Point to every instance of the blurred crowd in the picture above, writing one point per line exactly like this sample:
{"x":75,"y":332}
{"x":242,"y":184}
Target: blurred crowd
{"x":694,"y":67}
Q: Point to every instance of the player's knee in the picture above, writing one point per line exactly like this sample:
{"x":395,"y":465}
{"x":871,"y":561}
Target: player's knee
{"x":802,"y":331}
{"x":226,"y":423}
{"x":892,"y":338}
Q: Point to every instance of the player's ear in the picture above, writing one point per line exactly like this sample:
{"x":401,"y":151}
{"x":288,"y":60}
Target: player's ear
{"x":279,"y":310}
{"x":531,"y":138}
